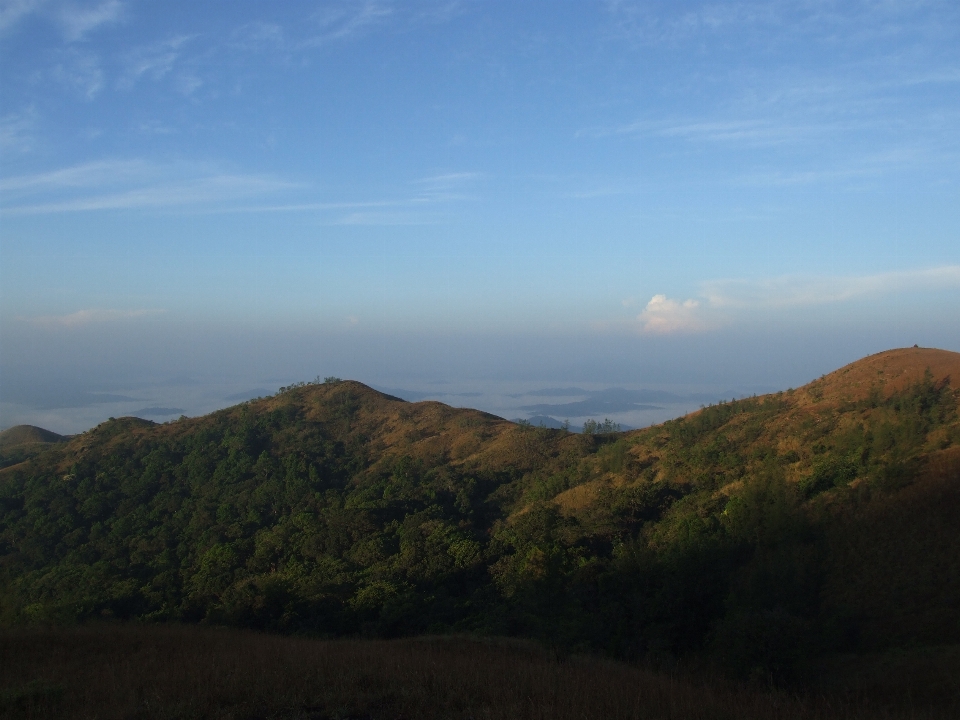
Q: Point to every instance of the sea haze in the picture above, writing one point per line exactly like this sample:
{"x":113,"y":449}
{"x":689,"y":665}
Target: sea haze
{"x":68,"y":379}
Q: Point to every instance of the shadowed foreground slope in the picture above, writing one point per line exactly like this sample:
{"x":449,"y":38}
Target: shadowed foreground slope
{"x":183,"y":672}
{"x":763,"y":533}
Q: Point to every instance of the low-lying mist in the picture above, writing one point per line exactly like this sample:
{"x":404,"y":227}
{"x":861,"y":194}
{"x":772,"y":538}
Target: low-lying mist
{"x":69,"y":378}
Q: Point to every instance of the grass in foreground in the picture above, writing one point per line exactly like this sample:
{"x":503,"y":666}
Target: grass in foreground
{"x":190,"y":672}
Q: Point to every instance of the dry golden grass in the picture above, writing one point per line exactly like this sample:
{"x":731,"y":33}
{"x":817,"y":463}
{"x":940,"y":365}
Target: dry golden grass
{"x":889,"y":372}
{"x":191,"y":672}
{"x":27,"y":435}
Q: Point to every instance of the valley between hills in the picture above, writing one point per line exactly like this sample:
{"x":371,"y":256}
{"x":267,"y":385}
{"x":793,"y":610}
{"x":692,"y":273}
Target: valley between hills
{"x":803,"y":542}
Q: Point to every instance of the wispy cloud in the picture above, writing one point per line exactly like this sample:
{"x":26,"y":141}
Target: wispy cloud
{"x":79,"y":176}
{"x":78,"y":20}
{"x":445,"y":186}
{"x":665,"y":23}
{"x":447,"y":180}
{"x":153,"y":61}
{"x":386,"y":218}
{"x":345,"y":20}
{"x":440,"y":11}
{"x":801,"y":291}
{"x":326,"y":206}
{"x":139,"y":184}
{"x":156,"y":127}
{"x":210,"y":190}
{"x":605,"y":190}
{"x":106,"y":185}
{"x":86,"y":317}
{"x":12,"y":11}
{"x":420,"y":208}
{"x":816,"y":90}
{"x":648,"y":23}
{"x":259,"y":35}
{"x":755,"y":132}
{"x":80,"y":71}
{"x":339,"y":21}
{"x":16,"y":130}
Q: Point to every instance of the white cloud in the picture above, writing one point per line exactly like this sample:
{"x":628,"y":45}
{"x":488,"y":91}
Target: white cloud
{"x":77,"y":21}
{"x":663,"y":316}
{"x":86,"y":317}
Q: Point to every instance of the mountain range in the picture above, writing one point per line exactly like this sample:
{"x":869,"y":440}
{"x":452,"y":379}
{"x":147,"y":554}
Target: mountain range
{"x":764,"y":532}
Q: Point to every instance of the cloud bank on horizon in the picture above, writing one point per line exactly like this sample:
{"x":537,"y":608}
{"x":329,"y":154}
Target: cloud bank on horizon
{"x":363,"y":170}
{"x":725,"y":301}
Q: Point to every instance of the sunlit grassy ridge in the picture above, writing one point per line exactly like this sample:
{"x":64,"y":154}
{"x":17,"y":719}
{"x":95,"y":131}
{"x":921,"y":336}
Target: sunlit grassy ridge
{"x":23,"y":441}
{"x":27,"y":434}
{"x":762,"y":533}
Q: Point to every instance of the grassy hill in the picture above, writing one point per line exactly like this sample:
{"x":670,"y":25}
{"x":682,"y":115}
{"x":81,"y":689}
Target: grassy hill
{"x":25,"y":434}
{"x":762,"y":534}
{"x":23,"y":441}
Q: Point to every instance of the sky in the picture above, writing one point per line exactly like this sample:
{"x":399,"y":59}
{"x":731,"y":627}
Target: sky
{"x":473,"y":201}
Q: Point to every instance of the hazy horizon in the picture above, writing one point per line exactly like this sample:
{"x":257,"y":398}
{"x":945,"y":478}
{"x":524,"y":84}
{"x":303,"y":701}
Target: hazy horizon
{"x":490,"y":199}
{"x":125,"y":370}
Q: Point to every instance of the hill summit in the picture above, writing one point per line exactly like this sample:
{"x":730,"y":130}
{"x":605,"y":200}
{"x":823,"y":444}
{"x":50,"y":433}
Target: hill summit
{"x":763,"y":532}
{"x":26,"y":434}
{"x":885,"y":374}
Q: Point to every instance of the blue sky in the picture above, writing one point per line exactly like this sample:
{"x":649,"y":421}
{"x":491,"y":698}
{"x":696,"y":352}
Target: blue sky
{"x":733,"y":194}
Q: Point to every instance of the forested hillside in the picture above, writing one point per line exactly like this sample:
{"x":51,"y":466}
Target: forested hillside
{"x":765,"y":531}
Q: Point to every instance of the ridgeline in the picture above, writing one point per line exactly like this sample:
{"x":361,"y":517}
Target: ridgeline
{"x":765,"y":533}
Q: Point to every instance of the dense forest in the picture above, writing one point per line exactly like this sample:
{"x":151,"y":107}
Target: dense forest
{"x":761,"y":532}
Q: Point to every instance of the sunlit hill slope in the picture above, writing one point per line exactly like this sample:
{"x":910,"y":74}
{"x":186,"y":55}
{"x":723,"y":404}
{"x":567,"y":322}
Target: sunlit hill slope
{"x":765,"y":532}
